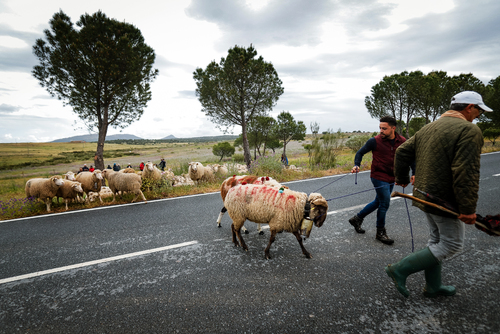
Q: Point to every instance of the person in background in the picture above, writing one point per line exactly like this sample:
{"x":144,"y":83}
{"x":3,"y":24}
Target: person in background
{"x":85,"y":168}
{"x":141,"y":166}
{"x":162,"y":164}
{"x":116,"y":167}
{"x":284,"y":160}
{"x":80,"y":170}
{"x":383,"y":147}
{"x":91,"y":169}
{"x":109,"y":167}
{"x":129,"y":165}
{"x":448,"y":157}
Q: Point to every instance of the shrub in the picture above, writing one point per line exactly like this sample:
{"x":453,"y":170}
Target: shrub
{"x":356,"y":142}
{"x":240,"y":158}
{"x":266,"y":165}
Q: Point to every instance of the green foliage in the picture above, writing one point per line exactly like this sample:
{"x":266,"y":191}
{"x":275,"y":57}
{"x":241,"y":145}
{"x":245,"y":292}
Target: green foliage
{"x":156,"y":187}
{"x":239,"y":158}
{"x":237,"y":89}
{"x":288,"y":129}
{"x":407,"y":95}
{"x":180,"y":168}
{"x":416,"y":124}
{"x":223,"y":150}
{"x":491,"y":134}
{"x":357,"y":142}
{"x":266,"y":165}
{"x":18,"y":207}
{"x":492,"y":100}
{"x":325,"y":149}
{"x":260,"y":133}
{"x":102,"y":70}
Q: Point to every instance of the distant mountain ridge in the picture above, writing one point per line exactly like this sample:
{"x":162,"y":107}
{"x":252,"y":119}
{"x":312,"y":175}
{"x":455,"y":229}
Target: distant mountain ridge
{"x":93,"y":138}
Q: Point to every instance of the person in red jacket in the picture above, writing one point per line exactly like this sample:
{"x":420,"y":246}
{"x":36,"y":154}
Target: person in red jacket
{"x":141,"y":166}
{"x":91,"y":168}
{"x":383,"y":148}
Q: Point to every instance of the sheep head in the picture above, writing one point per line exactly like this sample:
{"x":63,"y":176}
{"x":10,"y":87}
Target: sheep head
{"x":70,"y":176}
{"x":77,"y":186}
{"x":319,"y":208}
{"x":150,"y":166}
{"x":57,"y":180}
{"x":98,"y":174}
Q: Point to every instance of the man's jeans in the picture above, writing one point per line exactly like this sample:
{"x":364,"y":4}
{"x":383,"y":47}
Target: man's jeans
{"x":446,"y":236}
{"x":381,"y":202}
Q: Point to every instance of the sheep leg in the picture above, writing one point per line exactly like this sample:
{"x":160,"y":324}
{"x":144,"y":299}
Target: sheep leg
{"x":271,"y":240}
{"x":222,"y":212}
{"x":137,"y":195}
{"x":237,"y":232}
{"x":66,"y":202}
{"x":259,"y":228}
{"x":299,"y":239}
{"x":48,"y":202}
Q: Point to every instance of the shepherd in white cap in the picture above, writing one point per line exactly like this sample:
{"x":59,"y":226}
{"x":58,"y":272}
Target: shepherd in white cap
{"x":447,"y":155}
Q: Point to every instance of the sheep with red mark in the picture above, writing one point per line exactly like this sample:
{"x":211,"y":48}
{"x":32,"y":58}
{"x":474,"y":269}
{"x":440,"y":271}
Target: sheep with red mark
{"x":43,"y":188}
{"x":244,"y":179}
{"x":282,"y":209}
{"x":91,"y":182}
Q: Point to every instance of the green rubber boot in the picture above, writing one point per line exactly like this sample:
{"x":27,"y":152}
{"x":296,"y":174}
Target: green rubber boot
{"x":433,"y":286}
{"x":411,"y":264}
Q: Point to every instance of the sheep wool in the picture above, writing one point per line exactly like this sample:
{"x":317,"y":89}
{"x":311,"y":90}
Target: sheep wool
{"x":91,"y":182}
{"x":120,"y":182}
{"x":43,"y":189}
{"x":68,"y":191}
{"x":197,"y":172}
{"x":151,"y":172}
{"x":266,"y":205}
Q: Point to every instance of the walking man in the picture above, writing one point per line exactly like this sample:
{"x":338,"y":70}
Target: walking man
{"x":447,"y":154}
{"x":383,"y":148}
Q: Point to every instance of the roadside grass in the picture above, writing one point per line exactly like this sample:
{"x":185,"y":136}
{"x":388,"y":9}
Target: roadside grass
{"x":13,"y":202}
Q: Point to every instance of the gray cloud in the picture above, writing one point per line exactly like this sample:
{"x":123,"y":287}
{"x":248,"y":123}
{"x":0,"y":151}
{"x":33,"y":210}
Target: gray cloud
{"x":186,"y":94}
{"x":7,"y":108}
{"x":163,"y":63}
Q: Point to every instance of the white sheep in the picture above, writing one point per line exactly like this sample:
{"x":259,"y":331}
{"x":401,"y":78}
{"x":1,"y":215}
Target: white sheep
{"x":69,"y":190}
{"x":91,"y":182}
{"x":151,"y":172}
{"x":220,"y":170}
{"x":197,"y":172}
{"x":244,"y":179}
{"x":121,"y":182}
{"x":104,"y":193}
{"x":69,"y":176}
{"x":43,"y":188}
{"x":283,"y":210}
{"x":127,"y":170}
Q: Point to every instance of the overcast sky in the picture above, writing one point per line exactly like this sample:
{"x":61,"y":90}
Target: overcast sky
{"x":327,"y":53}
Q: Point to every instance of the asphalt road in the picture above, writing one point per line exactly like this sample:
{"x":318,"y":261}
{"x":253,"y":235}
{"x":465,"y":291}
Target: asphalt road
{"x":164,"y":267}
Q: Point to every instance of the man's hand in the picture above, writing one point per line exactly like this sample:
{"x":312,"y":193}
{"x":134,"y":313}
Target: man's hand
{"x":355,"y":169}
{"x":412,"y":180}
{"x":468,"y":219}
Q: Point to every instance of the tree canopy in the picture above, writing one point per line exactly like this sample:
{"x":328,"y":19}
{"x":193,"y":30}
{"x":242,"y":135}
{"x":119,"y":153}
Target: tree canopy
{"x":222,"y":150}
{"x":288,"y":129}
{"x":102,"y":69}
{"x":237,"y":89}
{"x":415,"y":94}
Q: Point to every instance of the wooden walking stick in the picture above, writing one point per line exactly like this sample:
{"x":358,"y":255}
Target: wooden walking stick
{"x":442,"y":208}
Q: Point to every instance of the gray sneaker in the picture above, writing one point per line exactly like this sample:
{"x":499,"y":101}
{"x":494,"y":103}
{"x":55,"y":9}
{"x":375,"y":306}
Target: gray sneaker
{"x":356,"y":222}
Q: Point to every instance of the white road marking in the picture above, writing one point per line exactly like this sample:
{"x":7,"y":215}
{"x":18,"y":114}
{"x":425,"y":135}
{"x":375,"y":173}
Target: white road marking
{"x":90,"y":263}
{"x":496,"y":174}
{"x":357,"y":207}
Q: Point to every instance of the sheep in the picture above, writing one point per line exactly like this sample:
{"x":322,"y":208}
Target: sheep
{"x":127,"y":170}
{"x":69,"y":190}
{"x":197,"y":172}
{"x":124,"y":182}
{"x":69,"y":176}
{"x":220,"y":170}
{"x":91,"y":182}
{"x":43,"y":188}
{"x":104,"y":193}
{"x":251,"y":179}
{"x":151,"y":172}
{"x":283,"y":210}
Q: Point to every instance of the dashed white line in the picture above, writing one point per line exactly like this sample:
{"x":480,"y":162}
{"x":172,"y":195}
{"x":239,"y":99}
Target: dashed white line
{"x":90,"y":263}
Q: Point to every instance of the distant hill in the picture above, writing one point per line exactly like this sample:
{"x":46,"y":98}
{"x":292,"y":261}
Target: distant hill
{"x":169,"y":137}
{"x":93,"y":138}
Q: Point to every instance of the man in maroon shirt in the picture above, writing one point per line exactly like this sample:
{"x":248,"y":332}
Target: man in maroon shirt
{"x":383,"y":148}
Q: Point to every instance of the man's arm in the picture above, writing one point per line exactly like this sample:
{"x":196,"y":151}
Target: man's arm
{"x":370,"y":145}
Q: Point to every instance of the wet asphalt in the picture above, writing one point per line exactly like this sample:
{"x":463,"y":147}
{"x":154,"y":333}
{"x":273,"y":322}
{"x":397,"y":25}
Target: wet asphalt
{"x":210,"y":286}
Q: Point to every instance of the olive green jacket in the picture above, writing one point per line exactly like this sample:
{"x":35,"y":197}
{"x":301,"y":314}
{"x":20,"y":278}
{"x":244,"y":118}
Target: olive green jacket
{"x":447,"y":155}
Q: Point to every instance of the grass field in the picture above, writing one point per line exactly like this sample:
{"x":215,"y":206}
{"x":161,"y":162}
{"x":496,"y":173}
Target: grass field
{"x":20,"y":162}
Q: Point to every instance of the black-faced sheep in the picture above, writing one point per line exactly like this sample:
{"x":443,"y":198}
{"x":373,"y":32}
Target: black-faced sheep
{"x":244,"y":179}
{"x":197,"y":172}
{"x":121,"y":182}
{"x":44,"y":189}
{"x":69,"y":190}
{"x":283,"y":210}
{"x":91,"y":182}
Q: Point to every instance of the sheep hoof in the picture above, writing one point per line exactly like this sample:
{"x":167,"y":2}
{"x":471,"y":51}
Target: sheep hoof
{"x":218,"y":225}
{"x":246,"y":232}
{"x":268,"y":257}
{"x":261,"y":233}
{"x":308,"y":256}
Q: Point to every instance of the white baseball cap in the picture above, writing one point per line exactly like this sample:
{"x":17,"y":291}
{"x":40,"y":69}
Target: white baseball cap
{"x":470,"y":97}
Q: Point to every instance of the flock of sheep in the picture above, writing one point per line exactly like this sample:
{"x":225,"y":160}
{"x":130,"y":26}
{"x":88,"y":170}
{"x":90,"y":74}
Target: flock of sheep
{"x":262,"y":200}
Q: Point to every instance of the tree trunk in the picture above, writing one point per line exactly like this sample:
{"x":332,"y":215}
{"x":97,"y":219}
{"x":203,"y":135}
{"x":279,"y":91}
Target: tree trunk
{"x":246,"y":147}
{"x":99,"y":159}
